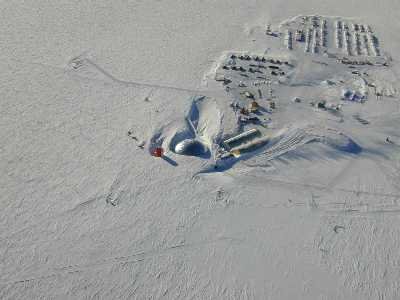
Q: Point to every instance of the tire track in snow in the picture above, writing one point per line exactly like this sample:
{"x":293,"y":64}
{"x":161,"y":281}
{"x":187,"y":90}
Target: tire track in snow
{"x":114,"y":190}
{"x":322,"y":187}
{"x":114,"y":80}
{"x":288,"y":143}
{"x":116,"y":260}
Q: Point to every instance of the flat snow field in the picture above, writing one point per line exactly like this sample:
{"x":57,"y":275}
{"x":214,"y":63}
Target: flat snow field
{"x":88,"y":89}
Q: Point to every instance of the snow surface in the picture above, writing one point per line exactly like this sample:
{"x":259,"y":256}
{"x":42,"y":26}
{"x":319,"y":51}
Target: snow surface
{"x":89,"y":89}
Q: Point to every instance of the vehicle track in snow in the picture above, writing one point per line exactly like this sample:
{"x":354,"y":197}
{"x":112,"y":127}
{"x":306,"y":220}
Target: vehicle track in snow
{"x":138,"y":84}
{"x":289,"y":142}
{"x":109,"y":79}
{"x":118,"y":260}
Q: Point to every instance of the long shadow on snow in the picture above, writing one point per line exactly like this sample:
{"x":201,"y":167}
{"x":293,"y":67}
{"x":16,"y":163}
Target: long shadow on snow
{"x":227,"y":163}
{"x":197,"y":148}
{"x":327,"y":153}
{"x":304,"y":152}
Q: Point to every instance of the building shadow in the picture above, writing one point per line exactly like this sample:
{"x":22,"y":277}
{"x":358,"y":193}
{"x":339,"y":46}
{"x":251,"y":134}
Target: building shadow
{"x":170,"y":161}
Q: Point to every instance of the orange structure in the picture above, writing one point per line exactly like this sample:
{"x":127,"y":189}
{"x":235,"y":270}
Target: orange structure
{"x":158,"y":152}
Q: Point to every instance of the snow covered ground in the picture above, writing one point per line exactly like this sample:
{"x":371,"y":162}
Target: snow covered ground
{"x":89,"y":89}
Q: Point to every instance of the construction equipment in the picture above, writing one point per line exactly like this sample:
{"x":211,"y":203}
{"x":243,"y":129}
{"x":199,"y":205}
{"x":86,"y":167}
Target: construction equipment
{"x":272,"y":105}
{"x":254,"y":106}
